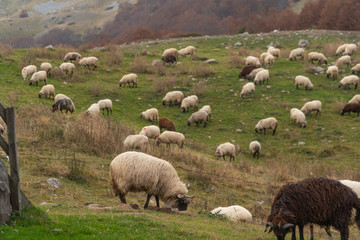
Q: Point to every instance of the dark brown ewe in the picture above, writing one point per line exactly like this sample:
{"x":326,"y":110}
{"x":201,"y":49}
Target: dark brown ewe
{"x":351,"y":107}
{"x":169,"y":59}
{"x":246,"y":70}
{"x":319,"y":201}
{"x":167,"y":124}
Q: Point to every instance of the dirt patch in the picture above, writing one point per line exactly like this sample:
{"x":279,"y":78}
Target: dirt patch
{"x":123,"y":207}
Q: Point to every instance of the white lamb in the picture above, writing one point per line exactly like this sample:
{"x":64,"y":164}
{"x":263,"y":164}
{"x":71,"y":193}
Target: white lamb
{"x":67,"y":68}
{"x":171,"y":137}
{"x":234,"y":213}
{"x":274,"y":51}
{"x":27,"y":71}
{"x":261,"y":77}
{"x":139,"y":172}
{"x":173,"y":97}
{"x":225,"y":149}
{"x":263,"y":56}
{"x":37,"y":77}
{"x":267,"y":123}
{"x":247,"y":89}
{"x":355,"y":99}
{"x":316,"y":56}
{"x":311,"y":106}
{"x":269,"y":60}
{"x":198,"y":117}
{"x":350,"y":49}
{"x":45,"y":66}
{"x":151,"y":114}
{"x":151,"y":131}
{"x":89,"y":61}
{"x":207,"y":109}
{"x":341,"y":49}
{"x":355,"y":69}
{"x":93,"y":110}
{"x":189,"y":50}
{"x":250,"y":60}
{"x":133,"y":142}
{"x":349,"y":80}
{"x":254,"y":72}
{"x":255,"y":148}
{"x":297,"y":52}
{"x":188,"y":102}
{"x":332,"y":71}
{"x":298,"y":116}
{"x":105,"y":104}
{"x":343,"y":60}
{"x":305,"y":81}
{"x":47,"y":90}
{"x":129,"y":78}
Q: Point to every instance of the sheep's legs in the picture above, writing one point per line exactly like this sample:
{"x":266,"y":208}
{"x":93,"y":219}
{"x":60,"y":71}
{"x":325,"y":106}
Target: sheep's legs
{"x":311,"y":235}
{"x":327,"y":229}
{"x":344,"y":233}
{"x":122,"y":198}
{"x":157,"y":201}
{"x":301,"y":232}
{"x":147,"y":200}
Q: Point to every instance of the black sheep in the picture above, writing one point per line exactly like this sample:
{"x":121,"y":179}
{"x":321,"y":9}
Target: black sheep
{"x":169,"y":59}
{"x":314,"y":200}
{"x":351,"y":107}
{"x":246,"y":70}
{"x":63,"y":104}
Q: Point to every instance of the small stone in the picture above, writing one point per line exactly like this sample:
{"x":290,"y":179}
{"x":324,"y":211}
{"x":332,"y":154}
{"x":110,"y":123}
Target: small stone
{"x":238,"y":130}
{"x":210,"y":61}
{"x":301,"y":143}
{"x":237,"y":44}
{"x":303,"y":43}
{"x":54,"y":182}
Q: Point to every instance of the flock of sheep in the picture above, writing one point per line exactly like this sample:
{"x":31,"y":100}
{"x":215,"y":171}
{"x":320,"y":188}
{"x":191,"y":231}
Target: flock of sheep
{"x":136,"y":171}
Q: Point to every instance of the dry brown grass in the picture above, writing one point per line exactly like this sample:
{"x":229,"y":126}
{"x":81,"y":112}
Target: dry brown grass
{"x":236,"y":62}
{"x":5,"y":50}
{"x":183,"y":69}
{"x":28,"y":58}
{"x":339,"y":105}
{"x":202,"y":71}
{"x":245,"y":52}
{"x":95,"y":88}
{"x":113,"y":55}
{"x":43,"y":53}
{"x":139,"y":65}
{"x":199,"y":88}
{"x":329,"y":49}
{"x":158,"y":70}
{"x":62,"y":50}
{"x":163,"y":85}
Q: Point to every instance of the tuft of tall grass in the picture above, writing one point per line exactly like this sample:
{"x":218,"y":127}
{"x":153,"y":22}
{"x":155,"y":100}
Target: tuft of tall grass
{"x":139,"y":65}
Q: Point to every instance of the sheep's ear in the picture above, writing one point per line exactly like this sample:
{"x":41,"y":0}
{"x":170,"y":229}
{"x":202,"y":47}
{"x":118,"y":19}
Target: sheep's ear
{"x":288,"y":225}
{"x":180,"y":196}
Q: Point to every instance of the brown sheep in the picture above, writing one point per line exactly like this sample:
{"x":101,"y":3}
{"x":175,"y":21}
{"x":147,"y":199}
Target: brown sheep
{"x":246,"y":70}
{"x":351,"y":107}
{"x":167,"y":124}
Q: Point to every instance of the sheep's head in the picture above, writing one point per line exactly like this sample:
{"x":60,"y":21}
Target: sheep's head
{"x":54,"y":107}
{"x":157,"y":142}
{"x":183,"y":109}
{"x":182,"y":201}
{"x":141,"y":115}
{"x":163,"y":102}
{"x":40,"y":95}
{"x":303,"y":125}
{"x":218,"y":153}
{"x":342,"y":113}
{"x":339,"y":84}
{"x":188,"y":122}
{"x":280,"y":230}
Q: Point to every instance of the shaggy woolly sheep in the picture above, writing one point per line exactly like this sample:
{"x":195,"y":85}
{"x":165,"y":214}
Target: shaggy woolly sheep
{"x":261,"y":77}
{"x":170,"y":55}
{"x":37,"y":77}
{"x":167,"y":124}
{"x":355,"y":69}
{"x":341,"y":49}
{"x":151,"y":131}
{"x":138,"y":172}
{"x":302,"y":80}
{"x":298,"y":116}
{"x":198,"y":117}
{"x":45,"y":66}
{"x":105,"y":104}
{"x":269,"y":60}
{"x":72,"y":56}
{"x":315,"y":56}
{"x":297,"y":52}
{"x":274,"y":51}
{"x":350,"y":49}
{"x":355,"y":99}
{"x":309,"y":107}
{"x":189,"y":50}
{"x":332,"y":71}
{"x":250,"y":60}
{"x":27,"y":71}
{"x":129,"y":78}
{"x":169,"y":137}
{"x":267,"y":123}
{"x":47,"y":90}
{"x":263,"y":56}
{"x":343,"y":60}
{"x":247,"y":89}
{"x":173,"y":97}
{"x":346,"y":81}
{"x":63,"y":104}
{"x":134,"y":142}
{"x":67,"y":68}
{"x":234,"y":213}
{"x":89,"y":61}
{"x":169,"y":59}
{"x":62,"y":96}
{"x":255,"y":148}
{"x":225,"y":149}
{"x":207,"y":109}
{"x":188,"y":102}
{"x":246,"y":70}
{"x":253,"y":73}
{"x":93,"y":110}
{"x":351,"y":107}
{"x":151,"y":114}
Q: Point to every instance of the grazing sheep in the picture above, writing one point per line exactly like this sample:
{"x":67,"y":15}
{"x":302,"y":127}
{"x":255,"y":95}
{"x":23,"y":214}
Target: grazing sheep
{"x":246,"y":70}
{"x":343,"y":60}
{"x":269,"y":61}
{"x":167,"y":124}
{"x":37,"y":77}
{"x":315,"y":56}
{"x":27,"y":71}
{"x":350,"y":49}
{"x":346,"y":81}
{"x":309,"y":107}
{"x":170,"y":55}
{"x":169,"y":137}
{"x":67,"y":68}
{"x":355,"y":99}
{"x":341,"y":49}
{"x":151,"y":131}
{"x":332,"y":71}
{"x":225,"y":149}
{"x":105,"y":104}
{"x":129,"y":78}
{"x":320,"y":201}
{"x":93,"y":110}
{"x":263,"y":56}
{"x":234,"y":213}
{"x":139,"y":172}
{"x":72,"y":56}
{"x":173,"y":97}
{"x":134,"y":142}
{"x":267,"y":123}
{"x":253,"y":73}
{"x":198,"y":117}
{"x":261,"y":77}
{"x":189,"y":50}
{"x":47,"y":90}
{"x":250,"y":60}
{"x":302,"y":80}
{"x":274,"y":52}
{"x":188,"y":102}
{"x":151,"y":114}
{"x":297,"y":52}
{"x":355,"y":69}
{"x":351,"y":107}
{"x":63,"y":104}
{"x":207,"y":109}
{"x":169,"y":59}
{"x":45,"y":66}
{"x":255,"y":148}
{"x":298,"y":116}
{"x":62,"y":96}
{"x":247,"y":89}
{"x":89,"y":61}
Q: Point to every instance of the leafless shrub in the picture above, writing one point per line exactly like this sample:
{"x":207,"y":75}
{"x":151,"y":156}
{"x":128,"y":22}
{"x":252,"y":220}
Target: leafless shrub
{"x":139,"y":65}
{"x":163,"y":85}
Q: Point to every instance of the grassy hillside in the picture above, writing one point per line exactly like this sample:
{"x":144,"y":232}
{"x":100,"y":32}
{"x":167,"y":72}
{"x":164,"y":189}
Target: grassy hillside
{"x":78,"y":150}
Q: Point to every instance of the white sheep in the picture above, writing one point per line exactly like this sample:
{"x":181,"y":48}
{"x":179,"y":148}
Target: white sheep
{"x":47,"y":90}
{"x":253,"y":73}
{"x":298,"y":116}
{"x":355,"y":99}
{"x":151,"y":114}
{"x":37,"y":77}
{"x":171,"y":137}
{"x":169,"y":52}
{"x":269,"y":60}
{"x":72,"y":56}
{"x":255,"y":148}
{"x":225,"y":149}
{"x":350,"y":49}
{"x":67,"y":68}
{"x":105,"y":104}
{"x":151,"y":131}
{"x":274,"y":51}
{"x":261,"y":77}
{"x":332,"y":71}
{"x":89,"y":61}
{"x":250,"y":60}
{"x":129,"y":78}
{"x":302,"y":80}
{"x":311,"y":106}
{"x":173,"y":97}
{"x":297,"y":52}
{"x":198,"y":117}
{"x":343,"y":60}
{"x":267,"y":123}
{"x":189,"y":50}
{"x":188,"y":102}
{"x":93,"y":110}
{"x":139,"y":172}
{"x":341,"y":49}
{"x":355,"y":69}
{"x":354,"y":185}
{"x":207,"y":109}
{"x":349,"y":80}
{"x":316,"y":56}
{"x":27,"y":71}
{"x":134,"y":142}
{"x":45,"y":66}
{"x":247,"y":89}
{"x":263,"y":56}
{"x":234,"y":213}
